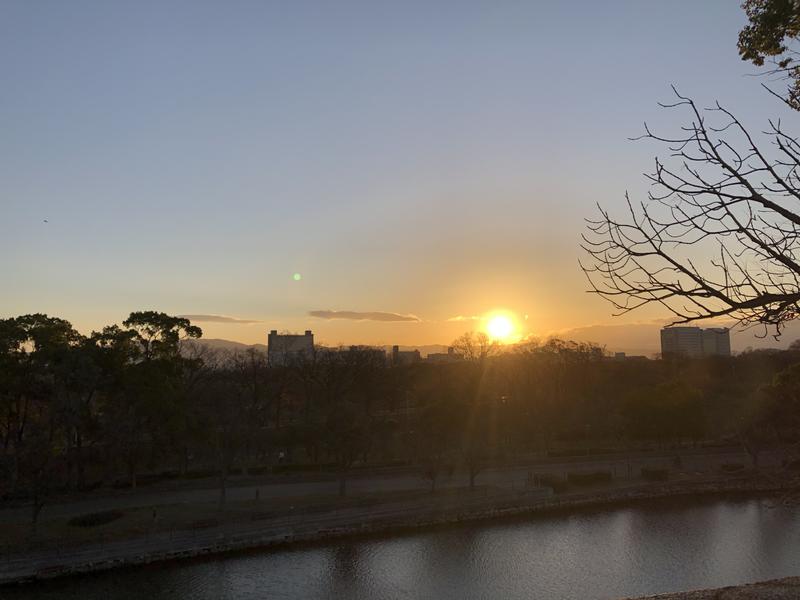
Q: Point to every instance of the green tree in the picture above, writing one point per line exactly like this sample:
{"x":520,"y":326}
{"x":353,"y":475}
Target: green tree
{"x":143,"y":413}
{"x":33,"y":383}
{"x":770,"y":35}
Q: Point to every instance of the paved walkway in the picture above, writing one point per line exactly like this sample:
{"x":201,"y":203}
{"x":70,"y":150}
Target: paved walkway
{"x":506,"y":477}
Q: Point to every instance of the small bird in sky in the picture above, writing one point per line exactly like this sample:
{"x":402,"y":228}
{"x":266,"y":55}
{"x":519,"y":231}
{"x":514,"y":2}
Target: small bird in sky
{"x":45,"y":221}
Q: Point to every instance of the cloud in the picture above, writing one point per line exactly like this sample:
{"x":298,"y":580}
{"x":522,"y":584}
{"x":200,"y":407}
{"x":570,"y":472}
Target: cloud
{"x":463,"y":318}
{"x":364,"y":316}
{"x":219,"y":319}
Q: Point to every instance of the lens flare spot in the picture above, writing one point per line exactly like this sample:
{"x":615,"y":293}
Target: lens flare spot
{"x":297,"y":277}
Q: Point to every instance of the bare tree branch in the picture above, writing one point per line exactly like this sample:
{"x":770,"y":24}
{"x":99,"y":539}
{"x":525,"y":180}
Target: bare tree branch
{"x":719,"y":233}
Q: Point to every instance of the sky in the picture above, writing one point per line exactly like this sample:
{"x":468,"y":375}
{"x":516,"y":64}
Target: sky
{"x":378,"y":172}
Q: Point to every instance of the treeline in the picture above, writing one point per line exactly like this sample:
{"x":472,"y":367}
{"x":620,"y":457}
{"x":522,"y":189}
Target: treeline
{"x":146,"y":398}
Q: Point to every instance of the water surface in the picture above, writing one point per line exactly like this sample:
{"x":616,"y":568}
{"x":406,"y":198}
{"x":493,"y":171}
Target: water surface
{"x":646,"y":549}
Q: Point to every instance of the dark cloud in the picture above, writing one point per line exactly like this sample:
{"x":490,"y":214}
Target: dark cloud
{"x":219,"y":319}
{"x":363,"y":316}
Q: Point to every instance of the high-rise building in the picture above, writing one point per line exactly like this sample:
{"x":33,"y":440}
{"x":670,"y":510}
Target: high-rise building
{"x":694,"y":342}
{"x":282,"y":348}
{"x":716,"y":341}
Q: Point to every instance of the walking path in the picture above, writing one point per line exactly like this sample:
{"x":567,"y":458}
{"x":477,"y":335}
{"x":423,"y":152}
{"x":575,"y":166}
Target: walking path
{"x":389,"y":516}
{"x":505,"y":477}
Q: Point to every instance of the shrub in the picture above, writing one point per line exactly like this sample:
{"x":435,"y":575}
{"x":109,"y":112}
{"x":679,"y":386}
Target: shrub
{"x":552,"y":481}
{"x":792,"y":465}
{"x":589,"y":478}
{"x":732,"y":467}
{"x":95,"y":519}
{"x":286,"y":469}
{"x":650,"y":474}
{"x":570,"y":452}
{"x":204,"y":523}
{"x":200,"y":474}
{"x":263,"y":516}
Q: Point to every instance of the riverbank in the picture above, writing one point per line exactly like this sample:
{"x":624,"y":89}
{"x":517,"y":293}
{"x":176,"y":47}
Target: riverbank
{"x":387,"y":518}
{"x":787,"y":588}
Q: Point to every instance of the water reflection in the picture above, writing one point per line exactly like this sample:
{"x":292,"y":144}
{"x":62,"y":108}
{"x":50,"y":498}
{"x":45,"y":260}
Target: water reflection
{"x":595,"y":554}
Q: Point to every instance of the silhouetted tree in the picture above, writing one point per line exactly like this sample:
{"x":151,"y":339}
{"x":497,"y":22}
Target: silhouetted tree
{"x":723,"y":197}
{"x":475,"y":346}
{"x":437,"y":428}
{"x":142,"y":412}
{"x":347,"y":436}
{"x":224,"y":400}
{"x":34,"y":349}
{"x":474,"y":434}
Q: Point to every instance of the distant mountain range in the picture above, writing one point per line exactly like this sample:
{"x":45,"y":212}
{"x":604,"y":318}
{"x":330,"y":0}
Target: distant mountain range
{"x":645,"y":338}
{"x":634,"y":339}
{"x":218,"y":344}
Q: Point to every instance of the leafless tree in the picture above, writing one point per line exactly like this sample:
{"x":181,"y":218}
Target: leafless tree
{"x":474,"y":346}
{"x":718,"y":235}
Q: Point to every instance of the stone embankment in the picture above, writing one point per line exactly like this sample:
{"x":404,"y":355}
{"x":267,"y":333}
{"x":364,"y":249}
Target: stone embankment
{"x":384,"y":519}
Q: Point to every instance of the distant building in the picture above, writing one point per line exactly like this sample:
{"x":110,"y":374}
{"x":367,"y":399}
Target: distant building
{"x":682,"y":341}
{"x":404,"y":357}
{"x":694,"y":342}
{"x":716,"y":341}
{"x":449,"y":356}
{"x":282,"y":348}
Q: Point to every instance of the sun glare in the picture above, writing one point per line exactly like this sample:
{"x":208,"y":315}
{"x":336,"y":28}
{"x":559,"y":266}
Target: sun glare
{"x":499,"y":327}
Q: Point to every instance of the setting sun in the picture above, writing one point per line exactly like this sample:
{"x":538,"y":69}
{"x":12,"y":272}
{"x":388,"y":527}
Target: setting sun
{"x":499,"y":327}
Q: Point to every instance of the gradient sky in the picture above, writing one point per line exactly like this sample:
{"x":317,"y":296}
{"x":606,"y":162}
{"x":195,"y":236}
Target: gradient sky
{"x":434,"y":159}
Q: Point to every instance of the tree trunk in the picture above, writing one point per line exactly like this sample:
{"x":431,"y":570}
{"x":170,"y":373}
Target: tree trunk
{"x":223,"y":484}
{"x":79,"y":460}
{"x":71,"y":479}
{"x":14,"y":470}
{"x":246,"y":460}
{"x":36,"y":510}
{"x":132,"y":474}
{"x":184,"y":461}
{"x":752,"y":450}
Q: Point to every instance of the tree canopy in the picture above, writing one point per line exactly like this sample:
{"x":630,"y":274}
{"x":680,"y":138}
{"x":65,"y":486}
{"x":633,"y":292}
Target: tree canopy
{"x":773,"y":27}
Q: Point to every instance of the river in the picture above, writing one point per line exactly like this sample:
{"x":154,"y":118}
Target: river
{"x":644,"y":549}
